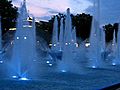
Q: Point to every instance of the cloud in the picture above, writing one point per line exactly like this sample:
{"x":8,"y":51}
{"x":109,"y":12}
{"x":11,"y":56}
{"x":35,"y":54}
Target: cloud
{"x":79,"y":6}
{"x":44,"y":8}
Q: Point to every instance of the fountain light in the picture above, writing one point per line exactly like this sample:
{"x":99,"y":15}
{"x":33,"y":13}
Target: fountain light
{"x":1,"y":61}
{"x":50,"y":44}
{"x":63,"y":71}
{"x":87,"y":44}
{"x":14,"y":77}
{"x":25,"y":37}
{"x":47,"y":62}
{"x":113,"y":64}
{"x":50,"y":64}
{"x":23,"y":79}
{"x":66,"y":43}
{"x":93,"y":66}
{"x":20,"y":78}
{"x":76,"y":44}
{"x":18,"y":38}
{"x":54,"y":45}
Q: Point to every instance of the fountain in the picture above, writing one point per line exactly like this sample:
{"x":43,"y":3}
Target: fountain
{"x":74,"y":35}
{"x":23,"y":64}
{"x":24,"y":50}
{"x":116,"y":48}
{"x":68,"y":28}
{"x":55,"y":51}
{"x":95,"y":48}
{"x":61,"y":35}
{"x":103,"y":42}
{"x":67,"y":63}
{"x":74,"y":39}
{"x":55,"y":36}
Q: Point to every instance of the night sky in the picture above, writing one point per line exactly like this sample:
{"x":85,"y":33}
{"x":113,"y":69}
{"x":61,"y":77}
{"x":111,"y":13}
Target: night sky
{"x":44,"y":9}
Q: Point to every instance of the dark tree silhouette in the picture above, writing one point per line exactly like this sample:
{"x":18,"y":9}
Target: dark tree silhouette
{"x":82,"y":22}
{"x":8,"y":15}
{"x":109,"y":30}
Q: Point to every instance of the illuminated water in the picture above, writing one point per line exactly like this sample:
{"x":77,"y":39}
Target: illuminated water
{"x":116,"y":61}
{"x":55,"y":36}
{"x":61,"y":36}
{"x":24,"y":48}
{"x":95,"y":59}
{"x":29,"y":60}
{"x":67,"y":62}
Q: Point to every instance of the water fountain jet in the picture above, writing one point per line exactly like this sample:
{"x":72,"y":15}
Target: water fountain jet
{"x":24,"y":48}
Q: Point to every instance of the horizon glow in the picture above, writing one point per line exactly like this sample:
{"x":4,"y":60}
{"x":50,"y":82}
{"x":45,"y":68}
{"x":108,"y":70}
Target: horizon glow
{"x":44,"y":9}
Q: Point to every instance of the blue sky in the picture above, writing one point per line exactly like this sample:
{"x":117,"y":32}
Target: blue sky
{"x":44,"y":9}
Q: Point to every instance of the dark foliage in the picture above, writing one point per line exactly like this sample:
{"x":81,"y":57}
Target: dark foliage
{"x":8,"y":15}
{"x":109,"y":30}
{"x":82,"y":23}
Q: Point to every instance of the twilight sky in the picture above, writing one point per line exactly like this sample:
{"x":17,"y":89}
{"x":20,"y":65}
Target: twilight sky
{"x":44,"y":9}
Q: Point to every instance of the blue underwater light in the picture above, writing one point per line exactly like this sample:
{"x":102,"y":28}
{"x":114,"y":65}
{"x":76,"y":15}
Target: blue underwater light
{"x":63,"y":71}
{"x":20,"y":78}
{"x":93,"y":66}
{"x":23,"y":79}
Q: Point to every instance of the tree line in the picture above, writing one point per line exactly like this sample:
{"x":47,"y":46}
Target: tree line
{"x":82,"y":22}
{"x":8,"y":14}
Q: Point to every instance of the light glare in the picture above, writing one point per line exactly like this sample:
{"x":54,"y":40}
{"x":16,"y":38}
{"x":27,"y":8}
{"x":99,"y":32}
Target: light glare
{"x":50,"y":64}
{"x":63,"y":70}
{"x":1,"y":61}
{"x":18,"y":38}
{"x":25,"y":37}
{"x":113,"y":64}
{"x":47,"y":62}
{"x":24,"y":79}
{"x":93,"y":66}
